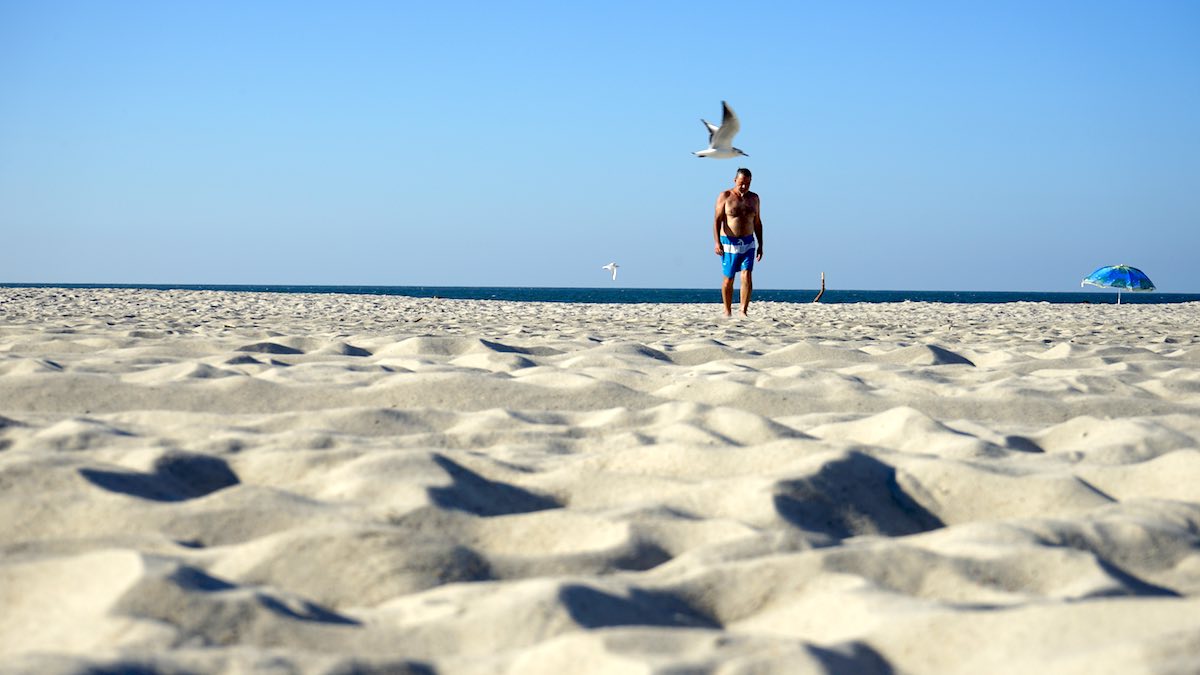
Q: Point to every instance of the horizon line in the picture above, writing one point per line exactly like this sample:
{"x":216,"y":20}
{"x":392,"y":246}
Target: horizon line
{"x":237,"y":286}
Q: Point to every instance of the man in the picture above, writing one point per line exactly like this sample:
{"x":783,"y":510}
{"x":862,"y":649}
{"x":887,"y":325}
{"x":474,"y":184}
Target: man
{"x":738,"y":222}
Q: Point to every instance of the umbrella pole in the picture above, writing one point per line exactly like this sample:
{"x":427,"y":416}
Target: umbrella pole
{"x":1118,"y":297}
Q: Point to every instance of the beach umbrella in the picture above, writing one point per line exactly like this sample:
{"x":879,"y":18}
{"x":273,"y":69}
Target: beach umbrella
{"x":1120,"y":277}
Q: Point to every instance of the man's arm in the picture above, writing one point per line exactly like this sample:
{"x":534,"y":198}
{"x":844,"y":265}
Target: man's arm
{"x":758,"y":228}
{"x":718,"y":221}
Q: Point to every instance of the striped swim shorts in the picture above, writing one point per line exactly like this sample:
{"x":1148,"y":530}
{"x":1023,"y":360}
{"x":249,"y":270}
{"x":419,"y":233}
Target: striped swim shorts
{"x":738,"y":254}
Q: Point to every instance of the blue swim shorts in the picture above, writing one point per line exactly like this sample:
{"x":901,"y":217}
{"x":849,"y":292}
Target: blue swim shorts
{"x":738,"y":256}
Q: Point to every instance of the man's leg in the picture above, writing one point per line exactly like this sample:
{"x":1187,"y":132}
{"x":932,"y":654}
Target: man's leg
{"x":747,"y":288}
{"x":727,"y":294}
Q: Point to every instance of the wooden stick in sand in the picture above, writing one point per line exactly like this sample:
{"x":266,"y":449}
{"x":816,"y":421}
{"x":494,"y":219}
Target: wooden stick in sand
{"x":818,"y":298}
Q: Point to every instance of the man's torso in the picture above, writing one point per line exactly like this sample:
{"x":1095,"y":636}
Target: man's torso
{"x":740,"y":214}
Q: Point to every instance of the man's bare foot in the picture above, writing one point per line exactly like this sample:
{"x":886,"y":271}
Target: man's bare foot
{"x":727,"y":313}
{"x":745,"y":313}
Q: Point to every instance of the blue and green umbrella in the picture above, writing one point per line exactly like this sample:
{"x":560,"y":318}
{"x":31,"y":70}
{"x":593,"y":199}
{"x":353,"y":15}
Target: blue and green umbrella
{"x":1120,"y":277}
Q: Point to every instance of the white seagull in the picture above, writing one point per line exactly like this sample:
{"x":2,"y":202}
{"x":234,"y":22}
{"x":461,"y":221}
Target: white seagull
{"x":720,"y":138}
{"x":612,"y":266}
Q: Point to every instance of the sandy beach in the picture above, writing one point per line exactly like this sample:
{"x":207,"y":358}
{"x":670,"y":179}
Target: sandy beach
{"x":196,"y":481}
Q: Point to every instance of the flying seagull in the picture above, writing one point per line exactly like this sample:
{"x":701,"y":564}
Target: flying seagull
{"x":612,"y":266}
{"x":720,"y":138}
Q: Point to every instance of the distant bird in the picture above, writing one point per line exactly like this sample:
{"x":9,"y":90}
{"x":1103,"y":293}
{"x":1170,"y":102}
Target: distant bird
{"x":720,"y":138}
{"x":612,"y":266}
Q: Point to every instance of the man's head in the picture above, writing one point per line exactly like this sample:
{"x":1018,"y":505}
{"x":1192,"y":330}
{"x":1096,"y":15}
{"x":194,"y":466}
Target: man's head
{"x":741,"y":180}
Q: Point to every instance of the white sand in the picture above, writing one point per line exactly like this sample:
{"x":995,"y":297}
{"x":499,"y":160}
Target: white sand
{"x":217,"y":482}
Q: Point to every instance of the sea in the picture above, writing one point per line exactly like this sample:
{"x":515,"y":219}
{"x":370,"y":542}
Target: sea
{"x":620,"y":295}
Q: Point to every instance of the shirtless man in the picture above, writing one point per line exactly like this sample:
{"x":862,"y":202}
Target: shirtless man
{"x":738,"y":222}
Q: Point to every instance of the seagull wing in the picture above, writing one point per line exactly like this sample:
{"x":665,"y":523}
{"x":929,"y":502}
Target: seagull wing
{"x":712,"y":128}
{"x":722,"y":137}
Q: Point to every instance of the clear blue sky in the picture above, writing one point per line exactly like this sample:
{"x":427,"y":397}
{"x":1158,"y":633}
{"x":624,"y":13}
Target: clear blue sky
{"x":895,"y":145}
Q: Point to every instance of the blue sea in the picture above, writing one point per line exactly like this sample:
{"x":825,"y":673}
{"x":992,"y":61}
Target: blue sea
{"x":666,"y":295}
